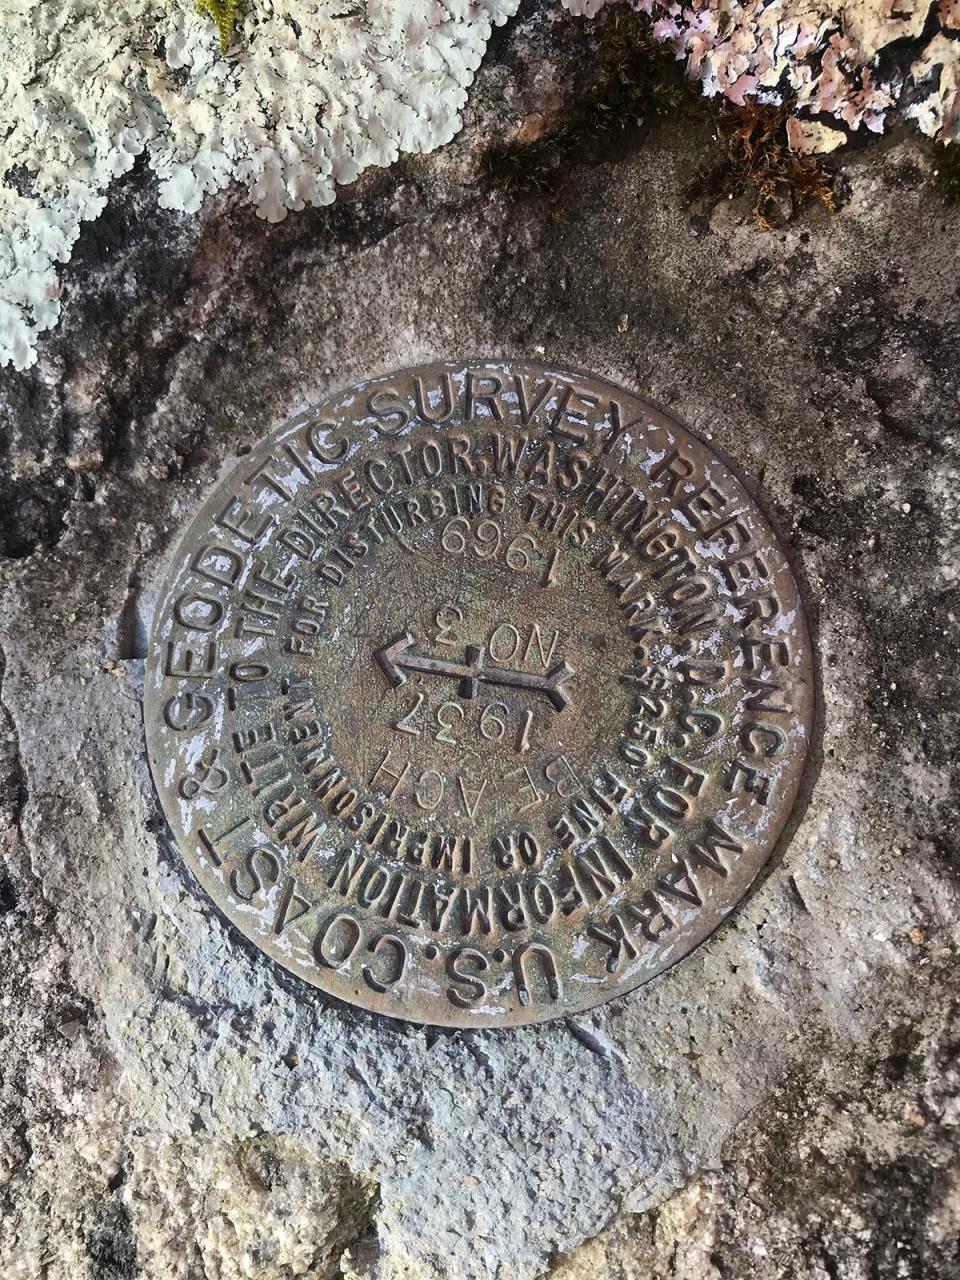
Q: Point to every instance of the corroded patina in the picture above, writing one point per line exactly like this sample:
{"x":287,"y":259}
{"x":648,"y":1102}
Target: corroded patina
{"x":479,"y":695}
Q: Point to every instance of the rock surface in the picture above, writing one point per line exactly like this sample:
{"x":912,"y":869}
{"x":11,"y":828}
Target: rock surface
{"x":786,"y":1102}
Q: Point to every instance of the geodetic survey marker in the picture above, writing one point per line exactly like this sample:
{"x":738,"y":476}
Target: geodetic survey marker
{"x":480,"y":694}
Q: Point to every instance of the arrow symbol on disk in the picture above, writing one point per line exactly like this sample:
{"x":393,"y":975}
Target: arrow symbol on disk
{"x":396,"y":660}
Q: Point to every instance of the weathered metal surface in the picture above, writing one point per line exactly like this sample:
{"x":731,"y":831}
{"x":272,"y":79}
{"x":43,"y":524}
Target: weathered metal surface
{"x":480,"y":695}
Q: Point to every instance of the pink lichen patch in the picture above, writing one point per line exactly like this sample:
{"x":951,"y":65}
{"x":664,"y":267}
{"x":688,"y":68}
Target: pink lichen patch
{"x":820,"y":56}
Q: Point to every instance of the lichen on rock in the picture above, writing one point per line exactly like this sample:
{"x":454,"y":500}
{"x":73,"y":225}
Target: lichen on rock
{"x":313,"y":92}
{"x":822,"y":57}
{"x":318,"y":92}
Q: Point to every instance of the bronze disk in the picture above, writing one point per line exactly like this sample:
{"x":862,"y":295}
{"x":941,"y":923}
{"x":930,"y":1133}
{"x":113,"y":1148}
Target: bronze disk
{"x":479,"y":695}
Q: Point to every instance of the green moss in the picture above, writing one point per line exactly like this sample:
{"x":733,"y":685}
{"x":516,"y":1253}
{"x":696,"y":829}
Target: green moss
{"x":637,"y":80}
{"x":641,"y":78}
{"x":224,"y":14}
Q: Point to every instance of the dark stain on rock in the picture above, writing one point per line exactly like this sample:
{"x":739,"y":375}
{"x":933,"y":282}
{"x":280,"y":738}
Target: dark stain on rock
{"x":8,"y":895}
{"x":110,"y":1243}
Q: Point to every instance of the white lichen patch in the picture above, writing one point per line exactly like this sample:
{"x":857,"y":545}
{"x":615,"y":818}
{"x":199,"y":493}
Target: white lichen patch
{"x":808,"y":137}
{"x":313,"y":92}
{"x":939,"y":66}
